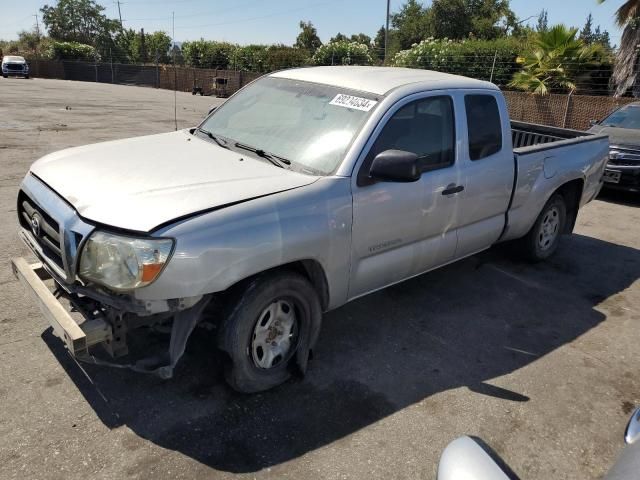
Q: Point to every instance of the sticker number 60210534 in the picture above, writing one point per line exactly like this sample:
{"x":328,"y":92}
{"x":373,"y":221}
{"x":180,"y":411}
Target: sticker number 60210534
{"x":349,"y":101}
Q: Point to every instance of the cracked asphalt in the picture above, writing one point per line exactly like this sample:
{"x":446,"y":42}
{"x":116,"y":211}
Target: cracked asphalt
{"x":541,"y":361}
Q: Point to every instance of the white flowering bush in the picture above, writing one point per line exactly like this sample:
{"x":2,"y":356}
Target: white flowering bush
{"x":471,"y":58}
{"x":343,"y":52}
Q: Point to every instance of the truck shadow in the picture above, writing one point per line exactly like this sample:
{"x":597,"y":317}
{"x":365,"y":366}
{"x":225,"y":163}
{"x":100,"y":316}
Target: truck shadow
{"x":462,"y":325}
{"x":620,"y":197}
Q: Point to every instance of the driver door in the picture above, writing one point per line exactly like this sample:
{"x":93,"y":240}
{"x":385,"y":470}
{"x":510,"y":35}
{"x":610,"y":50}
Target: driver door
{"x":403,"y":229}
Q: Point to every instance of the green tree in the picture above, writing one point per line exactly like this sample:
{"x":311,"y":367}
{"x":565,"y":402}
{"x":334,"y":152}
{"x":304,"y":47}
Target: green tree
{"x":159,"y":43}
{"x":586,"y":34}
{"x":81,"y":21}
{"x":589,"y":35}
{"x":75,"y":21}
{"x":543,"y":21}
{"x":308,"y":37}
{"x":361,"y":38}
{"x":378,"y":44}
{"x":557,"y":61}
{"x":491,"y":18}
{"x":450,"y":19}
{"x":339,"y":38}
{"x":411,"y":24}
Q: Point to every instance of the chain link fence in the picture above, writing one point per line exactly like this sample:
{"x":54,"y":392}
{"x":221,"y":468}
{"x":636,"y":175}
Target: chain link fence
{"x":559,"y":110}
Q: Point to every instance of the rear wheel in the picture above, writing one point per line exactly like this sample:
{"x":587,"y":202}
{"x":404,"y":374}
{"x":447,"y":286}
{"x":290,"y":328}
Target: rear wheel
{"x":542,"y":240}
{"x":270,"y":318}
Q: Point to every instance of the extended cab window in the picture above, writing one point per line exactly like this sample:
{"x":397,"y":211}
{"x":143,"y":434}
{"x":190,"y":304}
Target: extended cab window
{"x":484,"y":126}
{"x":424,"y":127}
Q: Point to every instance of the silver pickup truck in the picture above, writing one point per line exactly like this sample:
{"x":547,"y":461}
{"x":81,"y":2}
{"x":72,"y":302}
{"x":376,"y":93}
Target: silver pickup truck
{"x":305,"y":190}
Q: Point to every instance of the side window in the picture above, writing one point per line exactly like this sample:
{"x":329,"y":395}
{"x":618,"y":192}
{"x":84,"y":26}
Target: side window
{"x":425,"y":127}
{"x":484,"y":126}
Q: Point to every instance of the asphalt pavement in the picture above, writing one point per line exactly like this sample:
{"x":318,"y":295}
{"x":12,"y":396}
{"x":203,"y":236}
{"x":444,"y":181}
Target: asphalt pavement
{"x":541,"y":361}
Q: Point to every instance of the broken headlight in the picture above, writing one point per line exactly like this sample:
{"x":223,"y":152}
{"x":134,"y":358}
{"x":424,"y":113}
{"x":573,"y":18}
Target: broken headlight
{"x":123,"y":263}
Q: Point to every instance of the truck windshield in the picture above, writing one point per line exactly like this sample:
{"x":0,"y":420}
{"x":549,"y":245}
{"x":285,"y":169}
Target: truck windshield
{"x":310,"y":124}
{"x":626,"y":117}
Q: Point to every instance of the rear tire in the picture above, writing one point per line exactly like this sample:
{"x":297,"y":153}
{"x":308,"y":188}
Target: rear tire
{"x":261,"y":331}
{"x":542,"y":240}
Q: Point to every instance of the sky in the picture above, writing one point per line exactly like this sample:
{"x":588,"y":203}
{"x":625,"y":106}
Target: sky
{"x":276,"y":21}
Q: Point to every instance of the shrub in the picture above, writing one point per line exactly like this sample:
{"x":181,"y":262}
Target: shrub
{"x":471,"y":58}
{"x":71,"y":51}
{"x":208,"y":54}
{"x":282,"y":56}
{"x":343,"y":52}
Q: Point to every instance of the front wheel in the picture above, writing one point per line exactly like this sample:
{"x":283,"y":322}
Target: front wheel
{"x":270,"y":319}
{"x":542,"y":240}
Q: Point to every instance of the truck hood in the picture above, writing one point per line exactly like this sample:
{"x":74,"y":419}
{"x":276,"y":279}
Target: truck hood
{"x":143,"y":182}
{"x":618,"y":136}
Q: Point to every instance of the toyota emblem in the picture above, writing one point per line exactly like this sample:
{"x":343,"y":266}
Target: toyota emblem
{"x":35,"y":224}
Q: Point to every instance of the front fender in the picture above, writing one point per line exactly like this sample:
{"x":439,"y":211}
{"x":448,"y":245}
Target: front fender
{"x":218,"y":249}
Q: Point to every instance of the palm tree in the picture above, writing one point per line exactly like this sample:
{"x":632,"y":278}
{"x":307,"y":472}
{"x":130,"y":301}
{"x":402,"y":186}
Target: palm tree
{"x":556,"y":61}
{"x":625,"y":69}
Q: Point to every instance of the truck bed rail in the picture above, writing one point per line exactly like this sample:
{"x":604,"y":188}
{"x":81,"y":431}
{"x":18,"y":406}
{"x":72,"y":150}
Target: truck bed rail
{"x":529,"y":134}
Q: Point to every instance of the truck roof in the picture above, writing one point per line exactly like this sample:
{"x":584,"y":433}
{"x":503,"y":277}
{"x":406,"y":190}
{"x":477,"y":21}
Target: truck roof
{"x":12,"y":58}
{"x":380,"y":80}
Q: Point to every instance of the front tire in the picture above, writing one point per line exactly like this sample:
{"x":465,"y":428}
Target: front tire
{"x":266,"y":324}
{"x":542,"y":240}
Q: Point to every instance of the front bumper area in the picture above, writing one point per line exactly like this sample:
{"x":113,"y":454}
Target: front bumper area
{"x":627,"y":177}
{"x":104,"y":328}
{"x":76,"y":337}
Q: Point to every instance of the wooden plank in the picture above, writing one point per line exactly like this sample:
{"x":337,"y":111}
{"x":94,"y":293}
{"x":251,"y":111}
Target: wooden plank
{"x":64,"y":326}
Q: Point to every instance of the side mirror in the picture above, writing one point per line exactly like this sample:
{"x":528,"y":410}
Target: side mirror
{"x":465,"y":458}
{"x":593,"y":123}
{"x":632,"y":433}
{"x":211,"y":110}
{"x":395,"y":166}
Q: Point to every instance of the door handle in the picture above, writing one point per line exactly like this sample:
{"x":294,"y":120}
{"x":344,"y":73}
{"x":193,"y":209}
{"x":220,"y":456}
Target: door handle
{"x":451,"y":189}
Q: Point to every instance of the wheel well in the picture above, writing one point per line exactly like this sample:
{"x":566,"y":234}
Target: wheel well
{"x":572,"y":193}
{"x":315,"y":273}
{"x":311,"y":269}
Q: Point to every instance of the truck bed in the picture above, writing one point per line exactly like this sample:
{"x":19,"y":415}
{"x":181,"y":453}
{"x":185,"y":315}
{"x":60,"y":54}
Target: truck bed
{"x":546,"y":158}
{"x":531,"y":134}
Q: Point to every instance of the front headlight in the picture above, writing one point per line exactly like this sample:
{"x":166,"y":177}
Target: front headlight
{"x":123,"y":263}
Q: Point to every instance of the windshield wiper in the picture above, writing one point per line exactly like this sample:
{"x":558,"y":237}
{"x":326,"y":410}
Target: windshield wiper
{"x":275,"y":159}
{"x":219,"y":141}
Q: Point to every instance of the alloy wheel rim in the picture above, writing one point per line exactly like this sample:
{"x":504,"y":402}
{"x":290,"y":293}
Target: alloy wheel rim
{"x":549,"y":228}
{"x":274,"y":334}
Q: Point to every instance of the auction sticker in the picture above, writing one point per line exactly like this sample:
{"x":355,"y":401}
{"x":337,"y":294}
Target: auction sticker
{"x":349,"y":101}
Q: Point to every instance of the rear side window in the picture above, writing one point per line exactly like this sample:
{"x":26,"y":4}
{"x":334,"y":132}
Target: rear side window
{"x":484,"y":126}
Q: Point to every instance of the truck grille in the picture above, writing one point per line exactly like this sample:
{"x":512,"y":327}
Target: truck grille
{"x":15,"y":67}
{"x":624,"y":155}
{"x":45,"y":229}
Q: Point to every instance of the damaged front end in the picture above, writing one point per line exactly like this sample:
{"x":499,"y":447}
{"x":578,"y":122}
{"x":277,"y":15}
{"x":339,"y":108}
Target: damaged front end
{"x":82,"y":322}
{"x":87,"y":313}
